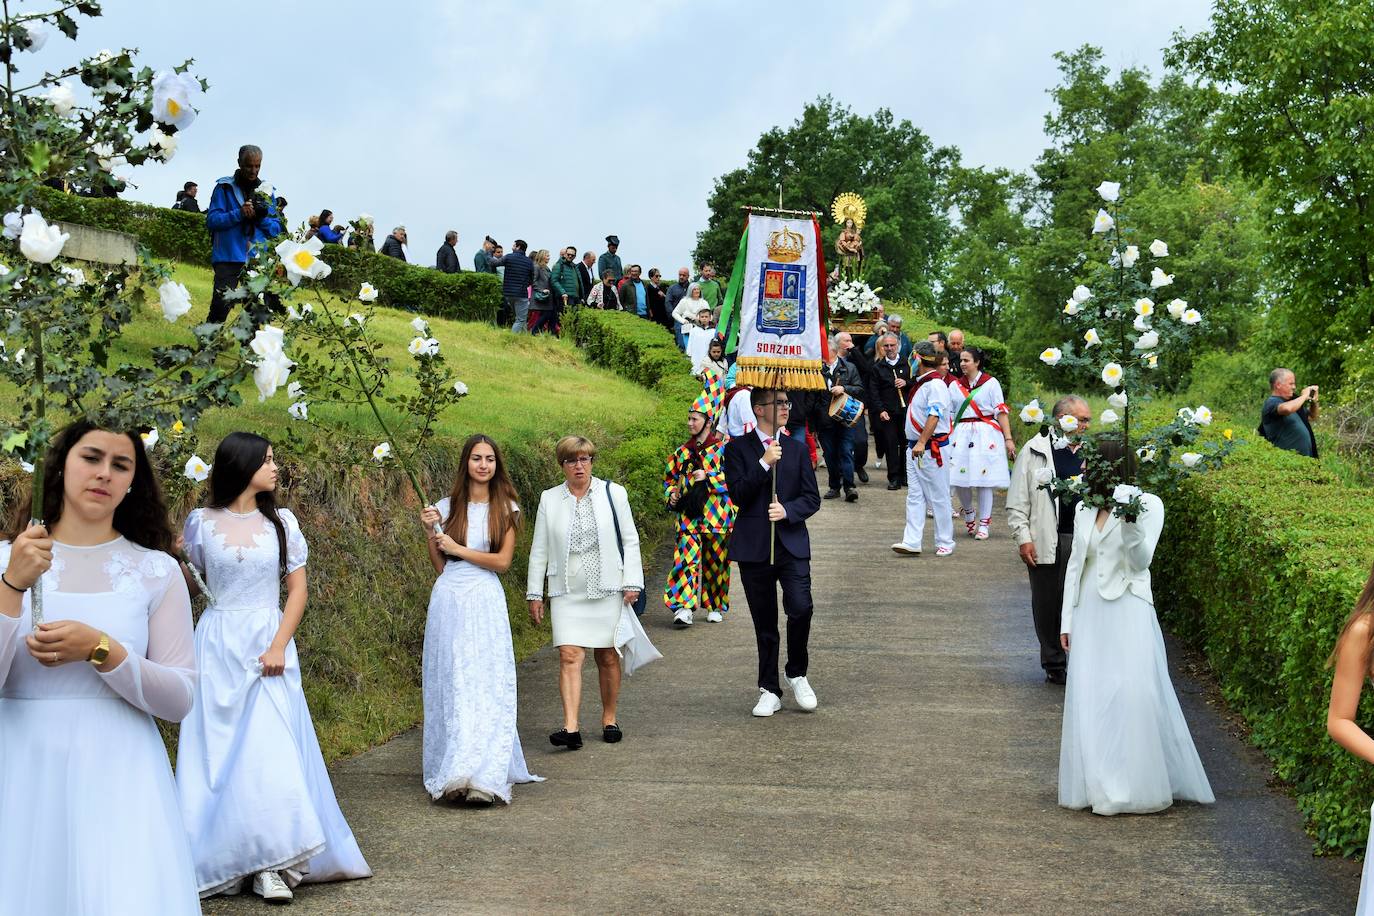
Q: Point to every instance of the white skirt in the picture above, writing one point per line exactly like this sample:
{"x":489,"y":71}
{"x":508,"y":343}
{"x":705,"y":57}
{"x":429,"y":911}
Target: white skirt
{"x":1125,"y":746}
{"x":581,"y":621}
{"x":978,"y":456}
{"x":90,"y":822}
{"x":255,"y":793}
{"x":1366,"y":905}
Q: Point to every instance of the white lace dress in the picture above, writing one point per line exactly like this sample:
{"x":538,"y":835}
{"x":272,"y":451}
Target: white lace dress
{"x":469,"y":678}
{"x":89,"y":821}
{"x":255,"y":794}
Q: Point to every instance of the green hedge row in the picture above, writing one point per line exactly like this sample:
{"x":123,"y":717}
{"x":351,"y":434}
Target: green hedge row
{"x":1259,"y":564}
{"x":178,"y":236}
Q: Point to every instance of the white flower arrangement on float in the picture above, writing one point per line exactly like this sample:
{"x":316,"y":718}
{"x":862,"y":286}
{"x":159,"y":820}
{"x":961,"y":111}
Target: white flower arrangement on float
{"x":853,"y":297}
{"x":1116,"y":337}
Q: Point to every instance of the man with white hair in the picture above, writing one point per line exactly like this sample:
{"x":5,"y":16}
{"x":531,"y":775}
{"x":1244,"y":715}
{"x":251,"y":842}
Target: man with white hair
{"x":894,"y":326}
{"x":1285,"y":419}
{"x":394,"y":244}
{"x":887,"y":407}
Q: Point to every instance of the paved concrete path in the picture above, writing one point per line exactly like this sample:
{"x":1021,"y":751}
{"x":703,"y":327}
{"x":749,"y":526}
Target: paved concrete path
{"x":925,"y":783}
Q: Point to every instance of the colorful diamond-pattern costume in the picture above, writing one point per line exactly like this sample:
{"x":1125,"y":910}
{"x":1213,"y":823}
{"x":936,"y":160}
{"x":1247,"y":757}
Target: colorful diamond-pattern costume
{"x":700,"y":580}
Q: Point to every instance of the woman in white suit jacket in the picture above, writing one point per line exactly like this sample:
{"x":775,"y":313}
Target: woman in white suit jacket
{"x":585,"y":556}
{"x":1125,"y":746}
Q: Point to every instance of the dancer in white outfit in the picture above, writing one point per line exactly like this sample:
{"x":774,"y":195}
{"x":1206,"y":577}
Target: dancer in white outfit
{"x":255,"y":795}
{"x":1125,"y":746}
{"x":89,"y":821}
{"x":981,"y":443}
{"x":927,"y":457}
{"x":1354,"y":659}
{"x":472,"y":748}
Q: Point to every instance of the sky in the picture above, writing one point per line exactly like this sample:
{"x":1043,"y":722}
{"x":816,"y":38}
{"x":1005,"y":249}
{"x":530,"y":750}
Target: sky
{"x":560,"y":123}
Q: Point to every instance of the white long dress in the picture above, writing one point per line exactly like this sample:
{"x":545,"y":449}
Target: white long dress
{"x":89,"y":821}
{"x":978,"y":450}
{"x":255,"y":793}
{"x":1125,"y":746}
{"x":471,"y":741}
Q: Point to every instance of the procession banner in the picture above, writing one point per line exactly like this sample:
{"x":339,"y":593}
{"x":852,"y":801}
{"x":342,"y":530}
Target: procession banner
{"x":775,"y":299}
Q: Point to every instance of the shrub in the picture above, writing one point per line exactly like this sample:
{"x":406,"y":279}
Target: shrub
{"x":167,"y":233}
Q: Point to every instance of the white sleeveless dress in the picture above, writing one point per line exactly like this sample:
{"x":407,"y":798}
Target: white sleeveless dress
{"x":978,"y":450}
{"x":89,"y":821}
{"x":255,"y":793}
{"x":470,"y":738}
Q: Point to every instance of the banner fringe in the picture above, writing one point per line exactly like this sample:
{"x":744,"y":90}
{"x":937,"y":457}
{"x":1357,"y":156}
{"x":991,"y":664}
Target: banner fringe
{"x":780,"y":373}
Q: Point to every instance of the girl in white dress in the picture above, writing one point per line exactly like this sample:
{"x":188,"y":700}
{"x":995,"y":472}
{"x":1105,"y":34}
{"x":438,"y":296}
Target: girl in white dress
{"x":1125,"y":746}
{"x":255,"y":795}
{"x":981,"y":445}
{"x":88,"y":810}
{"x":472,"y":748}
{"x":1354,"y":661}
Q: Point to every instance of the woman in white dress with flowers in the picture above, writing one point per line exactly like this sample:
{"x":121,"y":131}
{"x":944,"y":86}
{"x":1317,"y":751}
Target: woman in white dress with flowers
{"x":981,"y":445}
{"x":89,"y":821}
{"x":1125,"y":746}
{"x":472,"y":749}
{"x":255,"y":795}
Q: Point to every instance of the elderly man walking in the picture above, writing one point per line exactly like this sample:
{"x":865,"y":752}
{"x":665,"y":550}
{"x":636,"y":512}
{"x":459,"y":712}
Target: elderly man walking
{"x":240,"y":218}
{"x":393,"y":246}
{"x":446,"y":258}
{"x":1286,"y":415}
{"x":1043,"y":525}
{"x":836,"y":436}
{"x":887,"y":407}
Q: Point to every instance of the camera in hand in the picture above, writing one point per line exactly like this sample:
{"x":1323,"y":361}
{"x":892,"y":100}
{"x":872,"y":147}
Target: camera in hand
{"x":262,"y":208}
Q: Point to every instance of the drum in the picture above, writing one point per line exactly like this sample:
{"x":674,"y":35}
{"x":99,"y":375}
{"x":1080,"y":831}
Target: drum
{"x":846,"y":409}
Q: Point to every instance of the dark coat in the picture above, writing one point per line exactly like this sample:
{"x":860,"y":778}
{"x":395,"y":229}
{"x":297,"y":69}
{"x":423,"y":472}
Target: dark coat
{"x":751,"y":491}
{"x":391,"y":247}
{"x":847,"y":377}
{"x":446,"y":259}
{"x":864,"y":363}
{"x":882,"y":390}
{"x":519,"y":273}
{"x":588,"y":281}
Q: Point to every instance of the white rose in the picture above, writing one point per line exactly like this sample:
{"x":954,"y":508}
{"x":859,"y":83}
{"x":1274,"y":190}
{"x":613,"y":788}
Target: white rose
{"x":460,"y":389}
{"x":1125,"y":492}
{"x":174,"y":298}
{"x":73,"y":275}
{"x":1043,"y":476}
{"x":1112,"y":374}
{"x":1145,"y":453}
{"x":1117,"y":399}
{"x":149,"y":438}
{"x":1159,"y":278}
{"x":368,"y":293}
{"x":356,"y":318}
{"x":1051,"y":356}
{"x":1147,"y":340}
{"x":196,"y":468}
{"x":267,"y":341}
{"x":271,"y":373}
{"x":61,"y":98}
{"x":1150,"y":360}
{"x":1186,"y":414}
{"x":381,"y":452}
{"x":1144,"y":307}
{"x":1102,"y":222}
{"x":1130,"y":256}
{"x":40,"y":242}
{"x":302,"y":261}
{"x":1068,"y":423}
{"x":1190,"y":459}
{"x":174,"y":94}
{"x":1109,"y":417}
{"x":1071,"y":308}
{"x":1032,"y":412}
{"x":299,"y":410}
{"x":1091,"y":337}
{"x":1109,"y":191}
{"x":1081,"y":294}
{"x":1192,"y":316}
{"x":1202,"y":416}
{"x":25,"y":466}
{"x":1159,"y":249}
{"x":1141,"y":323}
{"x":420,"y":326}
{"x":1177,"y":308}
{"x":14,"y":224}
{"x":295,"y":391}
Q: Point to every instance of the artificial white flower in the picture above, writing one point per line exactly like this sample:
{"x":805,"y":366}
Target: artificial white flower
{"x":1147,"y":341}
{"x":295,"y":391}
{"x":423,"y":346}
{"x":1112,"y":374}
{"x":298,"y":410}
{"x":40,"y":242}
{"x":196,"y":468}
{"x":1068,"y":423}
{"x":381,"y":452}
{"x":1043,"y":476}
{"x":1192,"y":316}
{"x":1202,"y":416}
{"x":74,"y":276}
{"x":1159,"y":249}
{"x":1125,"y":492}
{"x":1117,"y":399}
{"x":367,"y":293}
{"x":1141,"y":323}
{"x":1177,"y":308}
{"x":1051,"y":356}
{"x":25,"y":466}
{"x":37,"y":34}
{"x":165,"y":144}
{"x":1071,"y":308}
{"x":103,"y":56}
{"x":1091,"y":337}
{"x":174,"y":94}
{"x":301,"y":260}
{"x":150,"y":439}
{"x":460,"y":389}
{"x":1145,"y":453}
{"x":1032,"y":412}
{"x":61,"y":98}
{"x":420,"y":326}
{"x":1186,"y":415}
{"x":19,"y":357}
{"x":1144,"y":307}
{"x":1159,"y":278}
{"x":271,"y":373}
{"x":14,"y":224}
{"x":1190,"y":459}
{"x":267,"y":341}
{"x":106,"y":157}
{"x":1150,"y":360}
{"x":356,"y":318}
{"x":1130,"y":256}
{"x":174,"y":298}
{"x":1109,"y":417}
{"x":1109,"y":191}
{"x":1102,"y":222}
{"x":1081,"y":294}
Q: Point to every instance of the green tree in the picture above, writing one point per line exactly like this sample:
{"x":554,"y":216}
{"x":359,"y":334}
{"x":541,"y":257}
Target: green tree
{"x":976,"y":288}
{"x":1296,"y":117}
{"x":829,"y":149}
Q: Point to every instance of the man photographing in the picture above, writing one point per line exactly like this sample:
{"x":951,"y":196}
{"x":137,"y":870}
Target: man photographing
{"x":239,"y":218}
{"x":1285,"y":419}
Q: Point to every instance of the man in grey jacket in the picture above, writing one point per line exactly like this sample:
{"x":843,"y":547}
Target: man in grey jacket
{"x":1043,"y":526}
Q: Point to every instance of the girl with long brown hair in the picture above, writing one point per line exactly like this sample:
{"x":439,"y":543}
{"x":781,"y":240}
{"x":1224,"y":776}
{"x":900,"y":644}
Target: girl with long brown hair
{"x":471,"y":747}
{"x":1354,"y":661}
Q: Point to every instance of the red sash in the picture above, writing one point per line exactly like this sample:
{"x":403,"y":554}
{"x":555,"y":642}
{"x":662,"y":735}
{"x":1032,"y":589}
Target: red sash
{"x":978,"y":415}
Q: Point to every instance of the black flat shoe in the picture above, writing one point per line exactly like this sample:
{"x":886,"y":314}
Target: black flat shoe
{"x":851,"y":495}
{"x":863,"y":475}
{"x":564,"y":738}
{"x":894,"y":486}
{"x":1058,"y":678}
{"x":831,"y":494}
{"x":611,"y":734}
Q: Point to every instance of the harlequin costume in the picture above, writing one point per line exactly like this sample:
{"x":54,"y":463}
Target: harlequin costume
{"x":978,"y":449}
{"x":700,"y":580}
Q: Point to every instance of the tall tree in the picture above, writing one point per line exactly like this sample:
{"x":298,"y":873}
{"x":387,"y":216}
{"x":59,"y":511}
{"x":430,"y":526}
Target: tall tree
{"x":829,"y":149}
{"x":989,"y":207}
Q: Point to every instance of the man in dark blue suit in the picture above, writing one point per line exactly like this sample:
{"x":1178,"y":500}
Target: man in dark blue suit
{"x":751,"y":463}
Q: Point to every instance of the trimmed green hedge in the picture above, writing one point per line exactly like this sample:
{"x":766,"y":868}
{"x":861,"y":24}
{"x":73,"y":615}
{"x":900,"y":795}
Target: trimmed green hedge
{"x":167,"y":233}
{"x":1259,"y":564}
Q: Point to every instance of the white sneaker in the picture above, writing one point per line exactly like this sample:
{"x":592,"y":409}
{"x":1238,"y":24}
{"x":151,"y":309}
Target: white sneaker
{"x":802,"y":692}
{"x":906,"y":551}
{"x":478,"y":797}
{"x":943,"y":551}
{"x":982,"y":534}
{"x":269,"y":886}
{"x":878,"y":464}
{"x":767,"y":705}
{"x":682,"y":618}
{"x":715,"y":617}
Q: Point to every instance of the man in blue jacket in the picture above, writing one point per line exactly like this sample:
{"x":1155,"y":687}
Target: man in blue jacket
{"x":515,"y":284}
{"x":239,"y":219}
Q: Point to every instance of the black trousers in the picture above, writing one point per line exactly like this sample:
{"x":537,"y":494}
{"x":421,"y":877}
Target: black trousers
{"x":859,"y":435}
{"x":891,"y":436}
{"x":761,"y":582}
{"x":227,"y":274}
{"x":1047,"y":602}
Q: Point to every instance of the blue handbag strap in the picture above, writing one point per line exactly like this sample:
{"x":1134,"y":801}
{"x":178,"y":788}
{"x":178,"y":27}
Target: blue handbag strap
{"x":615,"y":520}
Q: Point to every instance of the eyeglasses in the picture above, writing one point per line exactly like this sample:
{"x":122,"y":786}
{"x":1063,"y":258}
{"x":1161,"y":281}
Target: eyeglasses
{"x":784,"y":405}
{"x":580,"y":459}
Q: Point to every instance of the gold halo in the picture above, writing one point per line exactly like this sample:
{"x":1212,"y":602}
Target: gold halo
{"x":849,"y":206}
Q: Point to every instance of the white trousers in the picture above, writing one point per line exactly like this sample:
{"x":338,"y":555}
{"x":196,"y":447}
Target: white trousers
{"x":927,"y":484}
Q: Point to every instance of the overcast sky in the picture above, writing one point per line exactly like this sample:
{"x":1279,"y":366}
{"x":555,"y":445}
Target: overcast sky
{"x":562,"y":122}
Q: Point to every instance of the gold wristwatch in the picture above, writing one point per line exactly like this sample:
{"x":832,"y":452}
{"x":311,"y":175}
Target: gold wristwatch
{"x":101,"y":651}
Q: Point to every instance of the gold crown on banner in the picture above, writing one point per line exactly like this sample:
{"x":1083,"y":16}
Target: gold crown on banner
{"x":785,"y":246}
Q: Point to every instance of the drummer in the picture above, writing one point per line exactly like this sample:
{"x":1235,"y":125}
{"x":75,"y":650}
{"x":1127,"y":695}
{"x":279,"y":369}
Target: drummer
{"x":835,"y":425}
